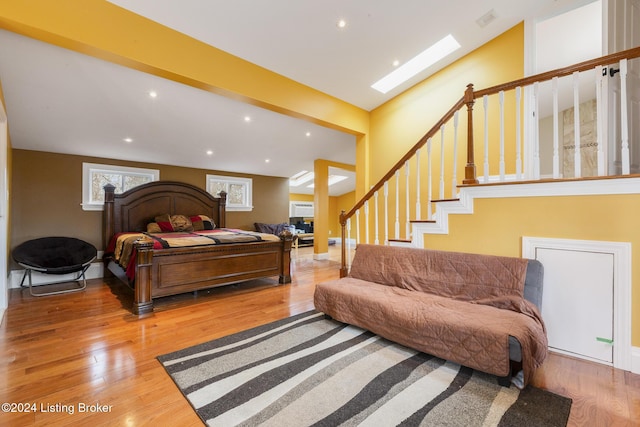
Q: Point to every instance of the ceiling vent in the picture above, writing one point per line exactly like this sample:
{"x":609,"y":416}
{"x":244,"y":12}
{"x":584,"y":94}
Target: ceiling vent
{"x":486,"y":19}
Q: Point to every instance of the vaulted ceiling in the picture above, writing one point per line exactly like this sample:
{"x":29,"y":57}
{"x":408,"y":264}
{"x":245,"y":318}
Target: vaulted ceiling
{"x":64,"y":101}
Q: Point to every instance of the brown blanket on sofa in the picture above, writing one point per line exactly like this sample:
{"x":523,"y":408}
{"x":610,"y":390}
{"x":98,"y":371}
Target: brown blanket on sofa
{"x":442,"y":303}
{"x":456,"y":275}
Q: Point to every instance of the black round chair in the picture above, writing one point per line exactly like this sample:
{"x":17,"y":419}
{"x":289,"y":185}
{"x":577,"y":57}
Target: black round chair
{"x":55,"y":255}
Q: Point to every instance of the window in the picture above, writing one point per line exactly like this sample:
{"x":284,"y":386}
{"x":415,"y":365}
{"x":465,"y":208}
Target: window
{"x":96,"y":176}
{"x":239,"y":191}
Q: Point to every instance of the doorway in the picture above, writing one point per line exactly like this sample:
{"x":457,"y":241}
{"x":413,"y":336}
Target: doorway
{"x":586,"y":297}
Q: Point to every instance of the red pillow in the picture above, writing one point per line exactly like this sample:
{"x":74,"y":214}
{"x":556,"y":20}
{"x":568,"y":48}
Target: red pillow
{"x":202,"y":222}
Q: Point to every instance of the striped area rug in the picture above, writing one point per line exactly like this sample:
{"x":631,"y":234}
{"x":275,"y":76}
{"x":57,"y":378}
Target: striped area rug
{"x":309,"y":370}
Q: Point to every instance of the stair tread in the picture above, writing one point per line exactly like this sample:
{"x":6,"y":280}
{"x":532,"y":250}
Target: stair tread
{"x":445,"y":200}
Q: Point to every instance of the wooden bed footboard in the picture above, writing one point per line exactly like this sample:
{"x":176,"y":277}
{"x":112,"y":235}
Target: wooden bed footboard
{"x":173,"y":271}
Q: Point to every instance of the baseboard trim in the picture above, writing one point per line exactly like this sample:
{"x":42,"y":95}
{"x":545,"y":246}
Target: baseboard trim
{"x":635,"y":360}
{"x":95,"y":271}
{"x":321,"y":257}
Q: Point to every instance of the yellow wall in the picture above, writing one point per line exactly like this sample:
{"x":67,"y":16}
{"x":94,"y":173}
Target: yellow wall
{"x":47,"y":196}
{"x":341,"y":203}
{"x":398,"y":124}
{"x":497,"y":226}
{"x":297,"y":197}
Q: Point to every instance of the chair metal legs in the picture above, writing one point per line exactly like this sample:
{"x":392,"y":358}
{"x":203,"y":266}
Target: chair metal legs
{"x":81,"y":286}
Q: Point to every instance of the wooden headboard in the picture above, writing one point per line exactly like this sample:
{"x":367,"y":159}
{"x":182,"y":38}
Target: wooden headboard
{"x":134,"y":209}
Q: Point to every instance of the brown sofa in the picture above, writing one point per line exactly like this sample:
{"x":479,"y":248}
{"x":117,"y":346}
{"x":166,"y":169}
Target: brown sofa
{"x":479,"y":311}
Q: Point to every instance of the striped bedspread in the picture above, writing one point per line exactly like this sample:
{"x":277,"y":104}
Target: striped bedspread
{"x":123,"y":250}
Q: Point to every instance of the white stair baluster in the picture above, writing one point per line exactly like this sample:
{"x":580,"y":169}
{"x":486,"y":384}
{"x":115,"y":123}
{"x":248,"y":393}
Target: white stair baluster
{"x":518,"y":134}
{"x":397,"y":224}
{"x":366,"y":222}
{"x":418,"y":210}
{"x":376,"y":240}
{"x":502,"y":166}
{"x":556,"y":132}
{"x":577,"y":163}
{"x":429,"y":182}
{"x":358,"y":227}
{"x":624,"y":119}
{"x":441,"y":196}
{"x":386,"y":213}
{"x":536,"y":139}
{"x":454,"y":179}
{"x":407,"y":225}
{"x":599,"y":118}
{"x":485,"y":102}
{"x":349,"y":244}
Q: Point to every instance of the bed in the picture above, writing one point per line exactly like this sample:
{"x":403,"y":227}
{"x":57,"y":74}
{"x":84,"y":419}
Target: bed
{"x":158,"y":270}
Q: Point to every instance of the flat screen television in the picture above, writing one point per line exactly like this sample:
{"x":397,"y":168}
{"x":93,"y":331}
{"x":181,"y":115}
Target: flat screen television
{"x":301,"y":224}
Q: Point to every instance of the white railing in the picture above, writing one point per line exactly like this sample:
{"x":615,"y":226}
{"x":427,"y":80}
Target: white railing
{"x":509,"y":154}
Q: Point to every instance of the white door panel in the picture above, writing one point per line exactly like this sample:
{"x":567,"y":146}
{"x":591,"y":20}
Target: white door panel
{"x":577,"y":303}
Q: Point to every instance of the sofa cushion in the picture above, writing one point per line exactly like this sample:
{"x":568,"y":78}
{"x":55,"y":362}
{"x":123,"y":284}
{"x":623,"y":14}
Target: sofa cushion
{"x":474,"y":335}
{"x":450,"y":274}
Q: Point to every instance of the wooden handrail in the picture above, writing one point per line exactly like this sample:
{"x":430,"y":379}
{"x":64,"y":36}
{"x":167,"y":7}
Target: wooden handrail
{"x":457,"y":106}
{"x":560,"y":72}
{"x":468,"y":99}
{"x":345,"y":216}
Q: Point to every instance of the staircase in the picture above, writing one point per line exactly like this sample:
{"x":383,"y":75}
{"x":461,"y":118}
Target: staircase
{"x":438,"y":176}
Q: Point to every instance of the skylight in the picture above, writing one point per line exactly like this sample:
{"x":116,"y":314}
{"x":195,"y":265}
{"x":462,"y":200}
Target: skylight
{"x":333,"y":179}
{"x":300,"y":178}
{"x":417,"y":64}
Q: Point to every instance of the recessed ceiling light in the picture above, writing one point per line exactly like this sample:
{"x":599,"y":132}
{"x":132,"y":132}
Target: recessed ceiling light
{"x":247,"y":119}
{"x":395,"y":63}
{"x":341,"y":23}
{"x":128,"y":140}
{"x":417,"y":64}
{"x":209,"y":152}
{"x":267,"y":160}
{"x":308,"y":134}
{"x":153,"y":94}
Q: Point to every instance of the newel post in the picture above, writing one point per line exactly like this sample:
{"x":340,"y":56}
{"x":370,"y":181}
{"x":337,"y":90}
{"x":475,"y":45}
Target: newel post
{"x":343,"y":222}
{"x":470,"y":168}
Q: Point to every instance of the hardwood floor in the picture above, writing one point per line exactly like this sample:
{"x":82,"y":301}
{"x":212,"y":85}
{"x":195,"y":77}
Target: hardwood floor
{"x":86,"y":352}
